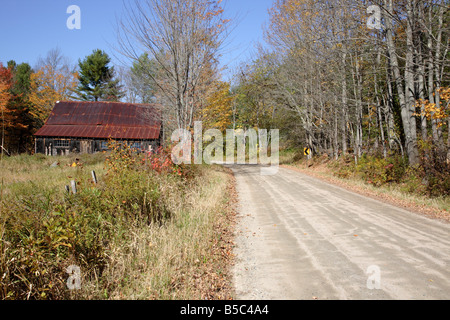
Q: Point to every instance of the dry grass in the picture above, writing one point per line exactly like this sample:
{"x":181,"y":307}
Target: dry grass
{"x":184,"y":257}
{"x":18,"y":171}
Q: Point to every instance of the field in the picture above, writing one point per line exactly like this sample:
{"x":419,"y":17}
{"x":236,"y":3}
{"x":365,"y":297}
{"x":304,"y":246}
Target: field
{"x":147,"y":230}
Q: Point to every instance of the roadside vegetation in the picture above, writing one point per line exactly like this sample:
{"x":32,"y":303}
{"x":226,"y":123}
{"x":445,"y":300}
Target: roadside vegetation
{"x":422,"y":188}
{"x":147,"y":230}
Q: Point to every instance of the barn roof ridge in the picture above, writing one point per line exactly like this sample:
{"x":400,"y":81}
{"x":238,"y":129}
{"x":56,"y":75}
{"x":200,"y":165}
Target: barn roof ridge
{"x":103,"y":119}
{"x":107,"y":102}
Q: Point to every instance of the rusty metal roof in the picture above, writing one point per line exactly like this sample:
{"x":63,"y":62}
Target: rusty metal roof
{"x":103,"y":120}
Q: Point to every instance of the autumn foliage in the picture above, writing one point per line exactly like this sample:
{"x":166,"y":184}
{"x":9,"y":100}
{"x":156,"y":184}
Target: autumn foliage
{"x":5,"y":95}
{"x":217,"y":112}
{"x":433,"y":112}
{"x":11,"y":112}
{"x":49,"y":85}
{"x":160,"y":161}
{"x":122,"y":158}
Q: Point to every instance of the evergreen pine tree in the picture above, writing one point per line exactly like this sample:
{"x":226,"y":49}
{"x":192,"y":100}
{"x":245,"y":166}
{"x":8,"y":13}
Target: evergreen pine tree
{"x":97,"y":79}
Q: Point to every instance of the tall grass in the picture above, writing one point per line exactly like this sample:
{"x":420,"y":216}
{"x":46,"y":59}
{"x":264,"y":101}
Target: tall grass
{"x":139,"y":233}
{"x":42,"y":228}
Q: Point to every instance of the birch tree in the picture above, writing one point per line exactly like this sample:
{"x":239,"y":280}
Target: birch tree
{"x":359,"y":89}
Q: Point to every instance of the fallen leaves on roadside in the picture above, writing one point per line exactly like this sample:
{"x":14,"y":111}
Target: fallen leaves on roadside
{"x":213,"y":278}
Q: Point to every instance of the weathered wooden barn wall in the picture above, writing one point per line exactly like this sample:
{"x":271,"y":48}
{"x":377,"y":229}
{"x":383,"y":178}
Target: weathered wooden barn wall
{"x":86,"y":127}
{"x":63,"y":146}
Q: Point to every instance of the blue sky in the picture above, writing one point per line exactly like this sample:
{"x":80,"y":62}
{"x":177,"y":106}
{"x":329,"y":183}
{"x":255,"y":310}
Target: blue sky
{"x":30,"y":28}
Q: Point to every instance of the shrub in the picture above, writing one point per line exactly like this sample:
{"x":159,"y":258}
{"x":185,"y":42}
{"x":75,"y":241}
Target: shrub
{"x":379,"y":171}
{"x":431,"y":177}
{"x":42,"y":235}
{"x":434,"y":169}
{"x":344,"y":167}
{"x":160,"y":162}
{"x":43,"y":230}
{"x":412,"y":182}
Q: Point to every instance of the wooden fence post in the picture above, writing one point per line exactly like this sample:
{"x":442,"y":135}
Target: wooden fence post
{"x":74,"y":186}
{"x":94,"y":177}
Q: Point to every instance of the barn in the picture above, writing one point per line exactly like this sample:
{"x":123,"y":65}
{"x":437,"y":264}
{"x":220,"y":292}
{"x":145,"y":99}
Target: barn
{"x":86,"y":127}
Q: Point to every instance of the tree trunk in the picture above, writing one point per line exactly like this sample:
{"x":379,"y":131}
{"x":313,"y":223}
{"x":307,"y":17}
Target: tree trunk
{"x":438,"y":74}
{"x":357,"y":94}
{"x":344,"y":100}
{"x":406,"y":101}
{"x":421,"y":81}
{"x":378,"y":106}
{"x":448,"y":142}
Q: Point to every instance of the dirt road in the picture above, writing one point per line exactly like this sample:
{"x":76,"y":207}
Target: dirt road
{"x":301,"y":238}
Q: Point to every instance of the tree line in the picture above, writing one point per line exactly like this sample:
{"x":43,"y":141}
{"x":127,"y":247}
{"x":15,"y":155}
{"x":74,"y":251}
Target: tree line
{"x":324,"y":77}
{"x":339,"y":87}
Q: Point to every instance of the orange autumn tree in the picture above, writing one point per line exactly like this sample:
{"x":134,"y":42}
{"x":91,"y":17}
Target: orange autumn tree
{"x":433,"y":112}
{"x":5,"y":86}
{"x":217,"y":112}
{"x":5,"y":96}
{"x":49,"y":85}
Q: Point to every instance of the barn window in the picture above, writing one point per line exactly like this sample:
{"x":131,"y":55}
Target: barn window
{"x":62,"y":143}
{"x":136,"y":145}
{"x":104,"y":145}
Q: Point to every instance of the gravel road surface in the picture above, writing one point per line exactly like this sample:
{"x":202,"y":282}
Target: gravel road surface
{"x":300,"y":238}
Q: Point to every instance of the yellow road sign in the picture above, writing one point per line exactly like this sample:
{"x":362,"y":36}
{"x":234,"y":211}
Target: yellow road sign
{"x":307,"y":151}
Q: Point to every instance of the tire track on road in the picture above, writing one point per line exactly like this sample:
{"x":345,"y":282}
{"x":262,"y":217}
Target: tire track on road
{"x":311,"y":239}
